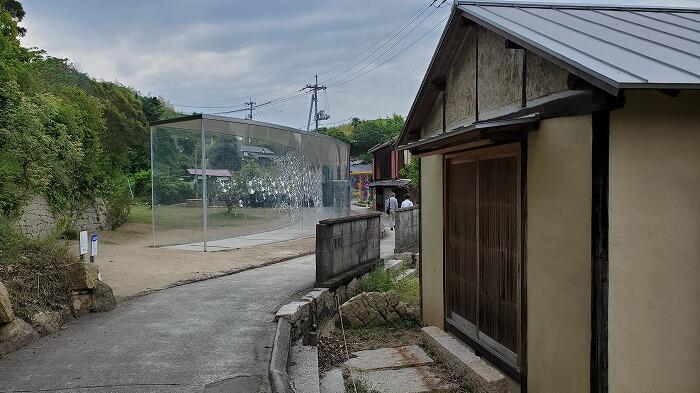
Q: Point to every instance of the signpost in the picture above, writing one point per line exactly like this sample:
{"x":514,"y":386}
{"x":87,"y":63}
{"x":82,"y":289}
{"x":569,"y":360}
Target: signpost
{"x":93,"y":248}
{"x":83,"y":245}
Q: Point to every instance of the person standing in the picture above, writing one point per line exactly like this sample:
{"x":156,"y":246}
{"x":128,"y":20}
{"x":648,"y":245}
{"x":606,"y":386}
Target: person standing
{"x":407,"y":202}
{"x":391,"y":205}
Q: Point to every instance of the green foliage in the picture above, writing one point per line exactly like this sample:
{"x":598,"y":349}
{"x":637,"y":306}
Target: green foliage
{"x":171,"y":189}
{"x":224,"y":155}
{"x":62,"y":133}
{"x":119,"y":200}
{"x":411,"y":171}
{"x":141,"y":183}
{"x":385,"y":280}
{"x":379,"y":280}
{"x":365,"y":134}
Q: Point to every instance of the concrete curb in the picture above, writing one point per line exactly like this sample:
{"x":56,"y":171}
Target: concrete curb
{"x":213,"y":275}
{"x":280,"y":381}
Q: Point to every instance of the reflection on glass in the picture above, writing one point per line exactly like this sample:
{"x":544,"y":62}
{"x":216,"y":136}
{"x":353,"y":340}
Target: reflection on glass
{"x":264,"y":183}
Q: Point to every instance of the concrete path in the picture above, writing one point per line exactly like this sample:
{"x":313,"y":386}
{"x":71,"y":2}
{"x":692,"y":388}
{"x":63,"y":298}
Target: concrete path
{"x":211,"y":336}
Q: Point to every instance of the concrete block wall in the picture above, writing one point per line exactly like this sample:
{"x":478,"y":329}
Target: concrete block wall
{"x":346,"y":243}
{"x":407,"y":229}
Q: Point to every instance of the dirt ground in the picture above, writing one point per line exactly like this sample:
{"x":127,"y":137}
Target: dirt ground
{"x":129,"y":264}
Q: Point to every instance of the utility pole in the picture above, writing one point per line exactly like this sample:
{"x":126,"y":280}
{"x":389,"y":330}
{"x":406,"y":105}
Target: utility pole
{"x":314,"y":104}
{"x":250,"y":103}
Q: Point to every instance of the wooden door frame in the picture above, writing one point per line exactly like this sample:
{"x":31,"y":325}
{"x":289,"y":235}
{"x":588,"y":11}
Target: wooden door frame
{"x":519,"y":149}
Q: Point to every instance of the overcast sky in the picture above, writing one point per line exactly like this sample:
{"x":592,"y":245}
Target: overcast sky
{"x":215,"y":52}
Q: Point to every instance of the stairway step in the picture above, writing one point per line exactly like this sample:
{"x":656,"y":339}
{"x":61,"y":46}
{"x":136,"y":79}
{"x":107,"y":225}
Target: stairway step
{"x":333,"y":382}
{"x":304,"y":369}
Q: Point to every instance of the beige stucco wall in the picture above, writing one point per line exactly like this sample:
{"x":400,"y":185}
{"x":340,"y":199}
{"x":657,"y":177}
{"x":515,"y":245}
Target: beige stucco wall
{"x":431,"y":237}
{"x":654,"y":244}
{"x":558,"y":259}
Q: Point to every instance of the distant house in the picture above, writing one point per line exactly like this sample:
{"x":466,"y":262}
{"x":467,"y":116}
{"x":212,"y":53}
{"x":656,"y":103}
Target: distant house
{"x":262,"y":154}
{"x":560,"y":176}
{"x":222,"y":175}
{"x":387,"y":163}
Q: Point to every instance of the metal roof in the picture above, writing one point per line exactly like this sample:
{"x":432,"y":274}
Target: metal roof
{"x":360,"y":168}
{"x":210,"y":172}
{"x":613,"y":47}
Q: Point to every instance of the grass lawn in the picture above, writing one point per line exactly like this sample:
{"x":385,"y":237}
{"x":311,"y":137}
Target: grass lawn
{"x":187,"y":217}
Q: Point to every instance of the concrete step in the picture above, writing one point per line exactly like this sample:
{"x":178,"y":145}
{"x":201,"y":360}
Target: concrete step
{"x":393,"y":264}
{"x":333,"y":382}
{"x":480,"y":376}
{"x":408,"y":273}
{"x":303,"y":369}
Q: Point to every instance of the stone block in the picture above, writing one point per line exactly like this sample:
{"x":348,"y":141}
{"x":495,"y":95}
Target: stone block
{"x":294,"y":311}
{"x":81,"y":302}
{"x":6,"y":313}
{"x":15,"y":335}
{"x":324,"y":244}
{"x":347,"y":227}
{"x":376,"y":359}
{"x":47,"y":322}
{"x":83,"y":276}
{"x":337,"y":229}
{"x":103,"y":298}
{"x":324,"y":231}
{"x":333,"y":382}
{"x":480,"y":377}
{"x":304,"y":369}
{"x":418,"y":379}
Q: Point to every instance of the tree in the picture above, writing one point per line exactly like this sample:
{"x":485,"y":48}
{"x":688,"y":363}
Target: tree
{"x":224,"y":154}
{"x":16,"y":11}
{"x":229,"y":193}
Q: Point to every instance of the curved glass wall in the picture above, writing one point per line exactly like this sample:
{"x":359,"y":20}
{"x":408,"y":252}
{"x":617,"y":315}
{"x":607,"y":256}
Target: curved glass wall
{"x":221,"y":183}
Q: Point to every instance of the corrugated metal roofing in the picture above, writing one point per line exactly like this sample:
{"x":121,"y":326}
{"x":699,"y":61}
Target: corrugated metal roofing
{"x":622,"y":47}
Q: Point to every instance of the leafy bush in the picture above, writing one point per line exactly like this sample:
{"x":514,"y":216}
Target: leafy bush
{"x":119,"y":201}
{"x":385,"y":280}
{"x":171,"y":190}
{"x":142,"y":185}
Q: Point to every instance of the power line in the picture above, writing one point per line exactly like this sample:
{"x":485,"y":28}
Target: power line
{"x":348,"y":80}
{"x":357,"y":112}
{"x":402,"y":26}
{"x":405,"y":25}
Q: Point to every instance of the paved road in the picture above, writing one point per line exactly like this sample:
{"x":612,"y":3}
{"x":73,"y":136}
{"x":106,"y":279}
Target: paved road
{"x":210,"y":336}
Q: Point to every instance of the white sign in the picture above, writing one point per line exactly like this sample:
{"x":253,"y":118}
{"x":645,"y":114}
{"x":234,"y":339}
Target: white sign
{"x":94,"y":245}
{"x":83,"y":242}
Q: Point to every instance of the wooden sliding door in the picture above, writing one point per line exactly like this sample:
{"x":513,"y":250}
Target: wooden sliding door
{"x":482,"y":247}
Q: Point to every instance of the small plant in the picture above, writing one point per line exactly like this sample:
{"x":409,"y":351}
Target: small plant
{"x":385,"y":280}
{"x":118,"y":202}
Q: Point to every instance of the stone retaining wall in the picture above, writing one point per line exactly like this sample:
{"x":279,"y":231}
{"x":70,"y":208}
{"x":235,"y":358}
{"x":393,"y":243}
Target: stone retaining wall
{"x":407,"y":229}
{"x":345,"y":246}
{"x":38,"y":220}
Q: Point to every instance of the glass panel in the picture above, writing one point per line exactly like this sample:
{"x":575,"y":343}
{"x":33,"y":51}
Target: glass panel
{"x":178,"y":181}
{"x":265,"y":183}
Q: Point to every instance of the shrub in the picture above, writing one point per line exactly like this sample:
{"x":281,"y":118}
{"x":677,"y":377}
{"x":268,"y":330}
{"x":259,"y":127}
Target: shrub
{"x":119,"y":201}
{"x":171,"y":190}
{"x":35,"y":272}
{"x":385,"y":280}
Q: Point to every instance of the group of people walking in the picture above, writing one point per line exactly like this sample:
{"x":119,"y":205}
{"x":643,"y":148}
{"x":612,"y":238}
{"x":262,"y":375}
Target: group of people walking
{"x":392,"y":204}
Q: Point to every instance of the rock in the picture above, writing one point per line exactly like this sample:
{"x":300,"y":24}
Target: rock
{"x":103,"y":298}
{"x":83,"y":276}
{"x":6,"y":313}
{"x":81,"y":303}
{"x":353,"y":287}
{"x":15,"y":335}
{"x":47,"y":322}
{"x":375,"y":308}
